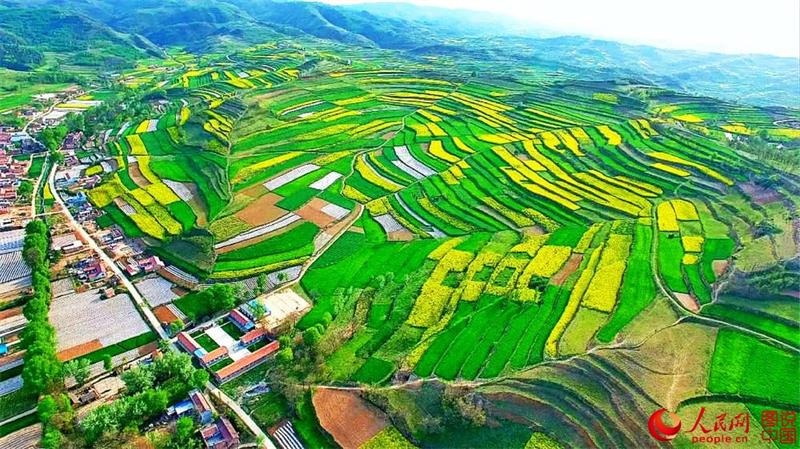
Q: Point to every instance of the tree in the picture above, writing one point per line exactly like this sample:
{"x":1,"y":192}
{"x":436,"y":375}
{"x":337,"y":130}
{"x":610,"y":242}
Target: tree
{"x":183,"y":438}
{"x":285,"y":356}
{"x":154,"y":402}
{"x":25,"y":189}
{"x":57,"y":156}
{"x":176,"y":326}
{"x":47,"y":409}
{"x":199,"y":379}
{"x":36,"y":227}
{"x":51,"y":438}
{"x":41,"y":373}
{"x":34,"y":250}
{"x":138,"y":379}
{"x":262,"y":283}
{"x":79,"y":369}
{"x":312,"y":336}
{"x":107,"y":364}
{"x":461,"y":406}
{"x":259,"y":310}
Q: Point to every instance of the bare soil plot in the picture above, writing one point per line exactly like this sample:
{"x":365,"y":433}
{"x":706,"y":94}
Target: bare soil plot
{"x":318,"y":211}
{"x":688,"y":301}
{"x":164,"y":314}
{"x":400,"y":236}
{"x":262,"y":210}
{"x":348,"y":418}
{"x":79,"y":350}
{"x":572,"y":264}
{"x":136,"y":174}
{"x":760,"y":195}
{"x":10,"y":312}
{"x":255,"y":191}
{"x":283,"y":304}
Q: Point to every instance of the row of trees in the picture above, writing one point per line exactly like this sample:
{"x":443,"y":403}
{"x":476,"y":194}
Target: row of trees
{"x":42,"y":372}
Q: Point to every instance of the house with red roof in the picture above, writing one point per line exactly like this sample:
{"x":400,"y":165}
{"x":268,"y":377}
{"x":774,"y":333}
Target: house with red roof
{"x":220,"y":435}
{"x":201,"y":406}
{"x":190,"y":345}
{"x":254,"y":336}
{"x":247,"y":362}
{"x":214,"y":356}
{"x":241,"y":321}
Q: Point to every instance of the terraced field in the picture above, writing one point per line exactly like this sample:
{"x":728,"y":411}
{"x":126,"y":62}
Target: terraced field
{"x":484,"y":226}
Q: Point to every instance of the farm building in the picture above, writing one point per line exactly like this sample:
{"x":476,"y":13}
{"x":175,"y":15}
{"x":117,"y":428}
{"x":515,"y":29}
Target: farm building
{"x":220,"y":435}
{"x":197,"y":404}
{"x":202,"y":406}
{"x":247,"y":362}
{"x":241,"y":321}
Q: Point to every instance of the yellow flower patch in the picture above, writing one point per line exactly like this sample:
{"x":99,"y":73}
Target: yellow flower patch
{"x":613,"y":138}
{"x":419,"y":129}
{"x":163,"y":194}
{"x":437,"y":150}
{"x":354,"y":100}
{"x":251,"y":170}
{"x":685,"y":210}
{"x":788,"y":133}
{"x":136,"y":144}
{"x":601,"y":294}
{"x":569,"y":142}
{"x":681,"y":161}
{"x":144,"y":198}
{"x":372,"y":176}
{"x":512,"y":262}
{"x":551,"y":141}
{"x":581,"y":136}
{"x":670,"y":169}
{"x":430,"y":116}
{"x":445,"y":247}
{"x":574,"y":301}
{"x":667,"y":221}
{"x":548,"y":260}
{"x":442,"y":110}
{"x":689,"y":118}
{"x":586,"y":240}
{"x":472,"y":288}
{"x":434,"y":296}
{"x":184,"y":115}
{"x":737,"y":129}
{"x":142,"y":128}
{"x":354,"y":194}
{"x":499,"y":139}
{"x":435,"y":130}
{"x":692,"y":243}
{"x":690,"y":259}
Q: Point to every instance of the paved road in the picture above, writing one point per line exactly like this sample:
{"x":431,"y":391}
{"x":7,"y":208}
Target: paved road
{"x":246,"y":419}
{"x":137,"y":298}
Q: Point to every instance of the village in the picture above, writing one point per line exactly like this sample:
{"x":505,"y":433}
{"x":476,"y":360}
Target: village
{"x":101,"y":329}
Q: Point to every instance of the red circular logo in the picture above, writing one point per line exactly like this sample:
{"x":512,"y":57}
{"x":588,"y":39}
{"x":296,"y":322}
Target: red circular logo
{"x":660,"y":430}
